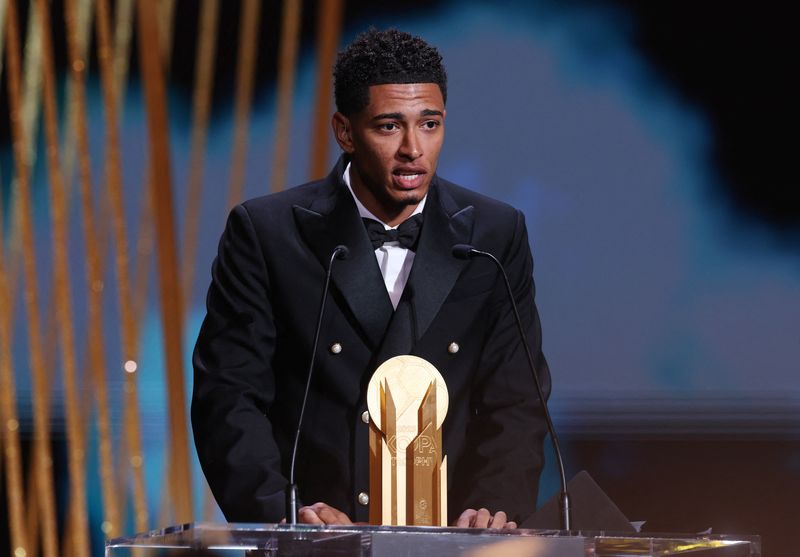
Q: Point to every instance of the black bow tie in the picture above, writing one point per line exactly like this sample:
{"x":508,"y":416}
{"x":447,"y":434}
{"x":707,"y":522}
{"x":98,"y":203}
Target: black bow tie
{"x":406,"y":234}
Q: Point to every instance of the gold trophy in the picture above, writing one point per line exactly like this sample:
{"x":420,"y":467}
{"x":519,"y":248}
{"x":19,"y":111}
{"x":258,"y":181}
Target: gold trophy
{"x":407,"y":401}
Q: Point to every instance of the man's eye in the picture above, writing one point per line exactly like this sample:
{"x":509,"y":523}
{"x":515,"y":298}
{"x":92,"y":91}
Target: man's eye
{"x":388,"y":127}
{"x":431,"y":124}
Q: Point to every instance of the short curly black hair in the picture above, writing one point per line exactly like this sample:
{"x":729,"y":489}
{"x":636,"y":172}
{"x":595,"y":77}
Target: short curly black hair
{"x":380,"y":57}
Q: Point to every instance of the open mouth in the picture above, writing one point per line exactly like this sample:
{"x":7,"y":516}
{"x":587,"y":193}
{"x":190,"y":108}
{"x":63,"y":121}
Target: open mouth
{"x":408,"y":178}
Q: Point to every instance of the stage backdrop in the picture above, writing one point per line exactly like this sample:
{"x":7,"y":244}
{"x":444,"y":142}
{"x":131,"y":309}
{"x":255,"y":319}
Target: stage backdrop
{"x":662,"y":216}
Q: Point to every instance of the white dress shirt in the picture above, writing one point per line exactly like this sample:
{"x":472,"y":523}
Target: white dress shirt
{"x":394,"y":261}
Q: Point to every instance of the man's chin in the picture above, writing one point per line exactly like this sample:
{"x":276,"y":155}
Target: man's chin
{"x":411,"y":197}
{"x":413,"y":200}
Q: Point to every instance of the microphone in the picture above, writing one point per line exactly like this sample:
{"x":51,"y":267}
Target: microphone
{"x":339,"y":252}
{"x":466,"y":251}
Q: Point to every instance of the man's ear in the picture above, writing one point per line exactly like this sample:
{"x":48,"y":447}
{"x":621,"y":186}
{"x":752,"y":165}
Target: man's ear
{"x":342,"y":132}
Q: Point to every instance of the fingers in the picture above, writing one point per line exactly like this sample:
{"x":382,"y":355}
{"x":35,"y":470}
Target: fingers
{"x":330,"y":515}
{"x":321,"y":513}
{"x":482,"y":518}
{"x":466,"y":518}
{"x":307,"y":515}
{"x":500,"y":522}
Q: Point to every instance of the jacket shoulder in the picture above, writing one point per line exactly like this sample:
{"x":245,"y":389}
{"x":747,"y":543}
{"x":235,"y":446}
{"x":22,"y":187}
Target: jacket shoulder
{"x":464,"y":197}
{"x":303,"y":195}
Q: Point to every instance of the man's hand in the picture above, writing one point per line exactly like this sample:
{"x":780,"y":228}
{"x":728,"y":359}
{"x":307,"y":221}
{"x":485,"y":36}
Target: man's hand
{"x":321,"y":513}
{"x":482,"y":518}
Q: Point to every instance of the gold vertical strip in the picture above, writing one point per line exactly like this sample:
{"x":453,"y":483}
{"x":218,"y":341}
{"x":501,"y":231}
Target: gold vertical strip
{"x":114,"y":188}
{"x":31,"y":102}
{"x":67,"y":144}
{"x":329,"y":27}
{"x":63,"y":306}
{"x":203,"y":89}
{"x":30,"y":117}
{"x":31,"y":112}
{"x":246,"y":59}
{"x":43,"y":459}
{"x":9,"y":428}
{"x":2,"y":32}
{"x":123,"y":32}
{"x":34,"y":516}
{"x":169,"y":283}
{"x":287,"y":62}
{"x":166,"y":13}
{"x":12,"y":457}
{"x":145,"y":243}
{"x":94,"y":273}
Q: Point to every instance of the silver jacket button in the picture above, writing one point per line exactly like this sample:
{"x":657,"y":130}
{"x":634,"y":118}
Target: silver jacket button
{"x":453,"y":347}
{"x":363,"y":499}
{"x":335,"y":348}
{"x":365,"y":416}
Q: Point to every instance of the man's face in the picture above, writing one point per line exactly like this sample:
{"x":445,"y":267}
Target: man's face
{"x":394,"y":145}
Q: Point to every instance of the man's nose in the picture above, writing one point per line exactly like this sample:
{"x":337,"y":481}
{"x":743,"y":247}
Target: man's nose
{"x":410,"y":148}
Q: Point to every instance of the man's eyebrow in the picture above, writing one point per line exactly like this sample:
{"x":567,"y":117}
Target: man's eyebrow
{"x":399,"y":115}
{"x":389,"y":116}
{"x":431,"y":112}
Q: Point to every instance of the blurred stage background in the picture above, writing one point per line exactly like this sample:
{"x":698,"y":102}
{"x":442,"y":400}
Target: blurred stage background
{"x":651,"y":145}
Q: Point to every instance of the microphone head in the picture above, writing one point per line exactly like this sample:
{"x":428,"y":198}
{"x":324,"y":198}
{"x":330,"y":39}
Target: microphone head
{"x":463,"y":251}
{"x":341,"y":252}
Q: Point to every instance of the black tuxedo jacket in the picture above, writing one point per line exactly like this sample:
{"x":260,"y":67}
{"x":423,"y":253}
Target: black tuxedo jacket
{"x":254,"y":347}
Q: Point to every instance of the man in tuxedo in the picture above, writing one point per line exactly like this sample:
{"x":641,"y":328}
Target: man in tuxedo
{"x":400,"y":290}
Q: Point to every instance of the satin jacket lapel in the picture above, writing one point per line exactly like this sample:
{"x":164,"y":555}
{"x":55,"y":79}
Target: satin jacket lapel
{"x":332,"y":220}
{"x":435,"y":270}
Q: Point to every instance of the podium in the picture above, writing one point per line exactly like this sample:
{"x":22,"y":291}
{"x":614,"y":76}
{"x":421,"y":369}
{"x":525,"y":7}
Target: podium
{"x":281,"y":540}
